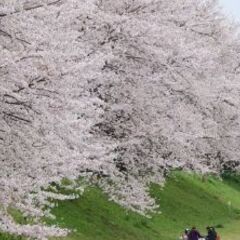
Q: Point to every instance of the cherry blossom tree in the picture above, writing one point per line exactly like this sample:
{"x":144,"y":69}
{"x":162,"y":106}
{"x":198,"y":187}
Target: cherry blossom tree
{"x":119,"y":92}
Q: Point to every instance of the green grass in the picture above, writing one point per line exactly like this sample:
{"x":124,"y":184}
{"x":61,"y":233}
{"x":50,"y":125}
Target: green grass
{"x":185,"y":201}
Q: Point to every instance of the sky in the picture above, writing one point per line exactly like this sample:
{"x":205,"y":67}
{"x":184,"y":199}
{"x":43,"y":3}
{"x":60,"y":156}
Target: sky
{"x":231,"y":7}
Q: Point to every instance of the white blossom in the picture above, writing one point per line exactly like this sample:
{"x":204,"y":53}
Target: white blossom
{"x":119,"y":92}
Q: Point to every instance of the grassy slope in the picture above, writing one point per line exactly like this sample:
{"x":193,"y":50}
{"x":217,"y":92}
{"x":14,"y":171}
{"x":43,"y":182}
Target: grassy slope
{"x":185,"y":201}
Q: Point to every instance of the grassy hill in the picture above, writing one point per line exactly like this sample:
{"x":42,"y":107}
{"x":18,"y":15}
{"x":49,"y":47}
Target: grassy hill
{"x":186,"y":200}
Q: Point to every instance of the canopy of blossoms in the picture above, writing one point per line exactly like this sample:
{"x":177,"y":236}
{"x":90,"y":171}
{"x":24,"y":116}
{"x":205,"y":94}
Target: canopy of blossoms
{"x":119,"y":92}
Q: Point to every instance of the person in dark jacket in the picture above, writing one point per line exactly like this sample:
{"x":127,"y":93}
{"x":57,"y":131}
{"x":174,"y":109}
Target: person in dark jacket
{"x":194,"y":234}
{"x":211,"y":233}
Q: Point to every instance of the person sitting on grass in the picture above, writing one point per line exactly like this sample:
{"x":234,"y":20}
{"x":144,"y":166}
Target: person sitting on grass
{"x":211,"y":233}
{"x":184,"y":236}
{"x":194,"y":234}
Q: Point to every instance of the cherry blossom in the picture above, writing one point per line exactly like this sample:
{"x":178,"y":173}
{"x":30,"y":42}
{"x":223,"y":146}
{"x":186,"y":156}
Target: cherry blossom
{"x":118,"y":92}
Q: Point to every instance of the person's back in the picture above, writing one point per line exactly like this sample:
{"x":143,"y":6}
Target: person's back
{"x":212,"y":235}
{"x":194,"y":234}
